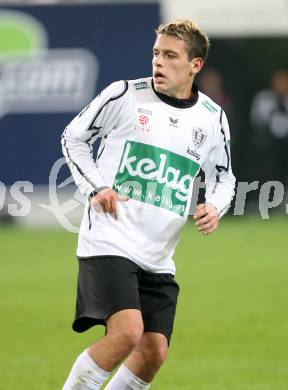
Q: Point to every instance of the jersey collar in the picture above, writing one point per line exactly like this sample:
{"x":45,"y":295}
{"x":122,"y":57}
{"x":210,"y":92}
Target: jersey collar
{"x":178,"y":103}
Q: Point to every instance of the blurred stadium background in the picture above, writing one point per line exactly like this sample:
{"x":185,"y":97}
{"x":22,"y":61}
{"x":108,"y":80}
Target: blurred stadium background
{"x":55,"y":56}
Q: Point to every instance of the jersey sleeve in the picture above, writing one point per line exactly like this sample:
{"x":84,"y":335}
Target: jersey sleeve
{"x":95,"y":121}
{"x":219,"y":178}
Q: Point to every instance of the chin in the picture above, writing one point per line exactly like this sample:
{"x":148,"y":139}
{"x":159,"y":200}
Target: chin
{"x":160,"y":88}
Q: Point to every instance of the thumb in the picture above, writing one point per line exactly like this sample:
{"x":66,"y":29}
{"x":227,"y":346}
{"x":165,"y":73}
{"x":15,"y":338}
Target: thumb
{"x":122,"y":198}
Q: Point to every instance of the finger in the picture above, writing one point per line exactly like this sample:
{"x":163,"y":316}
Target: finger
{"x":200,"y":213}
{"x":206,"y":226}
{"x":114,"y":207}
{"x":209,"y":228}
{"x":198,"y":210}
{"x":122,"y":198}
{"x":209,"y":231}
{"x":106,"y":205}
{"x":200,"y":206}
{"x":206,"y":219}
{"x":211,"y":223}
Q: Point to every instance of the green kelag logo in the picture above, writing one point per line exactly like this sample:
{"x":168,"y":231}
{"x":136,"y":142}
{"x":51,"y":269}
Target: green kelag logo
{"x":155,"y":176}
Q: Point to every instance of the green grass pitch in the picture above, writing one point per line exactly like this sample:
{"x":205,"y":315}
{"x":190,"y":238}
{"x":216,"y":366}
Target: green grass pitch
{"x":231,"y":330}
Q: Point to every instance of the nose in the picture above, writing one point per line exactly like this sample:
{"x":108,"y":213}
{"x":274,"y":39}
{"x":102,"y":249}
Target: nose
{"x":157,"y":60}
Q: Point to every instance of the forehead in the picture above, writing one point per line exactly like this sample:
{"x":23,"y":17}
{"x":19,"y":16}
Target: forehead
{"x":164,"y":42}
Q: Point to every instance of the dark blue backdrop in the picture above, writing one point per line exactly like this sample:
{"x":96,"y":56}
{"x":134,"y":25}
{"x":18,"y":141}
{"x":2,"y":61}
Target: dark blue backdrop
{"x":121,"y":36}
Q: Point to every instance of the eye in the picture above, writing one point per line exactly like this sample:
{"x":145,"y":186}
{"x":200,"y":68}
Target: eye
{"x":171,"y":56}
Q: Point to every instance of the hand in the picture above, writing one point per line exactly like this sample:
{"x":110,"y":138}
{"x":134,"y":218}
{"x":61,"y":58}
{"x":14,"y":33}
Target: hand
{"x":107,"y":199}
{"x":206,"y":218}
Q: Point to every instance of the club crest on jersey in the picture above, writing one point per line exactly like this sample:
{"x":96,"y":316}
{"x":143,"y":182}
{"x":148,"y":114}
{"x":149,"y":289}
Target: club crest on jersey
{"x":198,"y":137}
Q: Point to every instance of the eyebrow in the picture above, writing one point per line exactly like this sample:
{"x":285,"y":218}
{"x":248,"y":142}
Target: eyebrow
{"x":166,"y":51}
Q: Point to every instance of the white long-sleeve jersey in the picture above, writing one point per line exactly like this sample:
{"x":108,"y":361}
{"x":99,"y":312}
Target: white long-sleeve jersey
{"x":152,"y":147}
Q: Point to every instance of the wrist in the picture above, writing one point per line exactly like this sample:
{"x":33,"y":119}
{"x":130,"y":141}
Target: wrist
{"x":92,"y":194}
{"x":95,"y":192}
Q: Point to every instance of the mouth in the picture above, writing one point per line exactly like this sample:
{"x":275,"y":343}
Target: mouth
{"x":158,"y":77}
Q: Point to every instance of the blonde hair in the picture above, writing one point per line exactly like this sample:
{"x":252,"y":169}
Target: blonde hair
{"x":197,"y":41}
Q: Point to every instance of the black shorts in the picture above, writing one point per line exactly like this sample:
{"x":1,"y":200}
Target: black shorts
{"x":107,"y":284}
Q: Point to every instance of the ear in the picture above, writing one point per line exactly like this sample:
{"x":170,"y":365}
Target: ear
{"x":196,"y":65}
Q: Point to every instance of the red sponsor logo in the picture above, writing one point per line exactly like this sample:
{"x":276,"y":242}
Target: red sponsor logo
{"x":143,"y":119}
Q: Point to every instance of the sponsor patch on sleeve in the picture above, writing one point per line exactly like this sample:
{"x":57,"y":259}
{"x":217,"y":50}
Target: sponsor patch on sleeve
{"x":141,"y":85}
{"x":209,"y":106}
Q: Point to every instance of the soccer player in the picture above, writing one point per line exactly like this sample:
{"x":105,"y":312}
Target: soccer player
{"x":157,"y":133}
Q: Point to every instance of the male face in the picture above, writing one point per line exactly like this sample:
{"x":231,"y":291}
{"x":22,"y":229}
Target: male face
{"x":173,"y":73}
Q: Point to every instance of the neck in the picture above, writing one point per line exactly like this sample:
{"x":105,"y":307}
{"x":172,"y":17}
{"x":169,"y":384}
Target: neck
{"x":179,"y":102}
{"x":186,"y":93}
